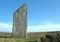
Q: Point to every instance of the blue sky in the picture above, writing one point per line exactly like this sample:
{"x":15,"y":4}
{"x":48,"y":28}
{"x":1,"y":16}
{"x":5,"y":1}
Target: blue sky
{"x":43,"y":15}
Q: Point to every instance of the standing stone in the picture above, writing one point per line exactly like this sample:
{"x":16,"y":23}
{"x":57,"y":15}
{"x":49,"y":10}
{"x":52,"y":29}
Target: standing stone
{"x":20,"y":22}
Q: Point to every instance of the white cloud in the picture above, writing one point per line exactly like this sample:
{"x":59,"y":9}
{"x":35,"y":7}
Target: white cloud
{"x":5,"y":27}
{"x":47,"y":26}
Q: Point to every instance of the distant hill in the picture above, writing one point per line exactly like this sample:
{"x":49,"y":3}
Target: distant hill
{"x":40,"y":33}
{"x":8,"y":34}
{"x":5,"y":34}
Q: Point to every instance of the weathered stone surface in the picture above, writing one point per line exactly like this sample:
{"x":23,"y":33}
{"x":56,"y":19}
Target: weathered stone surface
{"x":20,"y":22}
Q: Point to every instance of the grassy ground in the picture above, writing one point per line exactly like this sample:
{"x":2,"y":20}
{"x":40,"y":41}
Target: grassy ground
{"x":11,"y":40}
{"x":31,"y":38}
{"x":54,"y":37}
{"x":15,"y":40}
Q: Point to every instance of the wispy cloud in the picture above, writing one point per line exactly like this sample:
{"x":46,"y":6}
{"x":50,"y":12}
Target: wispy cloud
{"x":5,"y":27}
{"x":47,"y":26}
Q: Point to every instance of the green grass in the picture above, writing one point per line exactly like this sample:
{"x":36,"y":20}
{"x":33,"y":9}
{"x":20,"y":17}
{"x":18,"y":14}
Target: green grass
{"x":34,"y":38}
{"x":11,"y":40}
{"x":31,"y":38}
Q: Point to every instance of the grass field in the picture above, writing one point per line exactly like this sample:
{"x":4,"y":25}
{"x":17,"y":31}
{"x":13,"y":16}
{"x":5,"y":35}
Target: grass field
{"x":15,"y":40}
{"x":11,"y":40}
{"x":44,"y":37}
{"x":31,"y":38}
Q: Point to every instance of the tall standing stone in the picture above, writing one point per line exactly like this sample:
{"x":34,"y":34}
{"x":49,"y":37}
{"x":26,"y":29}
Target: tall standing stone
{"x":20,"y":22}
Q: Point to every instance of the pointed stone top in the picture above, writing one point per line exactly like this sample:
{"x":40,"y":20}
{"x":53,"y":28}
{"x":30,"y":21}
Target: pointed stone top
{"x":25,"y":4}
